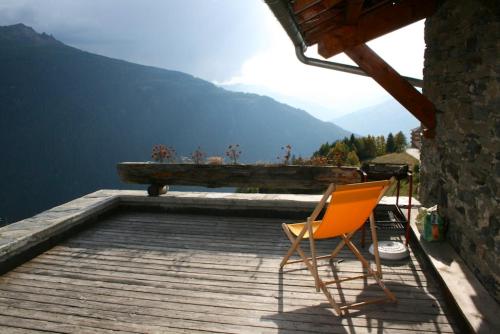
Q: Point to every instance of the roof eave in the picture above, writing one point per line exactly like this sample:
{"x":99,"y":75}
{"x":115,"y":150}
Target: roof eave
{"x":281,"y":9}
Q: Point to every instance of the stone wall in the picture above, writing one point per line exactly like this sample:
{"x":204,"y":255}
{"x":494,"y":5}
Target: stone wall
{"x":461,"y":165}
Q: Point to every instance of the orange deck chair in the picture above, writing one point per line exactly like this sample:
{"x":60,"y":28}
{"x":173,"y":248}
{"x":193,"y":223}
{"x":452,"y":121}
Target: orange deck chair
{"x":350,"y":206}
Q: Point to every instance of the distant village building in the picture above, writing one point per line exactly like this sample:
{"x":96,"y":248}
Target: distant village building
{"x":416,"y":138}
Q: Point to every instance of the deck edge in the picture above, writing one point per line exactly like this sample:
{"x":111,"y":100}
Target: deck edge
{"x":20,"y":236}
{"x":479,"y":310}
{"x":23,"y":235}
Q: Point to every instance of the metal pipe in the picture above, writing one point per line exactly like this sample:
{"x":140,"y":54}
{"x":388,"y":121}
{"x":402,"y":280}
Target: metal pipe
{"x":299,"y":51}
{"x":327,"y":64}
{"x":397,"y":192}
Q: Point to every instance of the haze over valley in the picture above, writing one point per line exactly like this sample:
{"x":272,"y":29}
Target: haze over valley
{"x":68,"y":116}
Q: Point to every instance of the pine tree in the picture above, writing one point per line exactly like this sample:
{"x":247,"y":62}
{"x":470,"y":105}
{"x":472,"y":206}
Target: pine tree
{"x":370,"y":147}
{"x":352,"y":159}
{"x":359,"y":144}
{"x":390,"y":146}
{"x":352,"y":142}
{"x":338,"y":154}
{"x":400,"y":142}
{"x":380,"y":143}
{"x":323,"y":150}
{"x":346,"y":141}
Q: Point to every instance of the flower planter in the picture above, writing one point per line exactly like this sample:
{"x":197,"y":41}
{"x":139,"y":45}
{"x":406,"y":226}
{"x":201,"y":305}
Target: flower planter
{"x":265,"y":176}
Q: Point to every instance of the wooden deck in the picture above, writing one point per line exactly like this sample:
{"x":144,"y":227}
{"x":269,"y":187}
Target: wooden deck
{"x":169,"y":273}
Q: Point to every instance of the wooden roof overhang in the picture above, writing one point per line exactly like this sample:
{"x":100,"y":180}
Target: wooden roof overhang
{"x":337,"y":26}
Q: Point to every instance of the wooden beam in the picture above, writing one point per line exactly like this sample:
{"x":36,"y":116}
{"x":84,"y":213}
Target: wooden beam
{"x":301,"y":6}
{"x":316,"y":23}
{"x":373,"y":24}
{"x":392,"y":82}
{"x":311,"y":17}
{"x":353,"y":11}
{"x":270,"y":176}
{"x":314,"y":9}
{"x":314,"y":31}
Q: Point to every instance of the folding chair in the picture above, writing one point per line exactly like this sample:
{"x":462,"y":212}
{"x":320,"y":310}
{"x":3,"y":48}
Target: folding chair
{"x":347,"y":211}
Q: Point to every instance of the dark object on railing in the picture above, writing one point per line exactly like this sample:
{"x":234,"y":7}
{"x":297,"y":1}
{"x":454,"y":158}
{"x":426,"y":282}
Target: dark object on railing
{"x":157,"y":189}
{"x":268,"y":176}
{"x":377,"y":172}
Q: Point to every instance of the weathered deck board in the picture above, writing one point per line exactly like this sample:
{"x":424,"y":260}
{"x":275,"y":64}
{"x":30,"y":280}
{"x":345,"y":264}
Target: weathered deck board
{"x":159,"y":272}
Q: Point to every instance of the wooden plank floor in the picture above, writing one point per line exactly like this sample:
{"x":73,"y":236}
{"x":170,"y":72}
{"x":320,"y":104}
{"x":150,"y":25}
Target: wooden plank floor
{"x":169,"y":273}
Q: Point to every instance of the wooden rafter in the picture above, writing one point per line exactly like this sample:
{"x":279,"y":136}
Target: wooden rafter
{"x":314,"y":32}
{"x":301,"y":6}
{"x":353,"y":11}
{"x":393,"y":83}
{"x":316,"y":13}
{"x":373,"y":24}
{"x":316,"y":22}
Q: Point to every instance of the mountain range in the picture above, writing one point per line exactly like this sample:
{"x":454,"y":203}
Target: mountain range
{"x":380,"y":119}
{"x":68,"y":116}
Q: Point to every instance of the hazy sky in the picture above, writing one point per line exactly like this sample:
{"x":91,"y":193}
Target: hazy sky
{"x":235,"y":43}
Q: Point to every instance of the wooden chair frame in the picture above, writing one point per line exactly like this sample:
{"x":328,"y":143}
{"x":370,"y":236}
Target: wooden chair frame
{"x":311,"y":262}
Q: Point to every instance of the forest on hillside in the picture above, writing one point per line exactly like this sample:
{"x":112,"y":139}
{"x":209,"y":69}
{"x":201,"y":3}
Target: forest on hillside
{"x":352,"y":151}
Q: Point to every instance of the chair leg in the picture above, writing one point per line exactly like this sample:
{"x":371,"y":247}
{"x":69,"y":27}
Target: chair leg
{"x":295,"y":243}
{"x":337,"y":249}
{"x":375,"y":245}
{"x":320,"y":285}
{"x":312,"y":247}
{"x":314,"y":271}
{"x":341,"y":245}
{"x":331,"y":300}
{"x":372,"y":273}
{"x":341,"y":309}
{"x":290,"y":250}
{"x":300,"y":252}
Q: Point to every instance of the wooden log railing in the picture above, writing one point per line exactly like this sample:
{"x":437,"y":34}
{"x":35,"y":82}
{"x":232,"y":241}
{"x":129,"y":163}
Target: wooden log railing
{"x":266,"y":176}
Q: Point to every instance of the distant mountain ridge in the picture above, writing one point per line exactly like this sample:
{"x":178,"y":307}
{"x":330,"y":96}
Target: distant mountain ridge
{"x":315,"y":109}
{"x":68,"y":116}
{"x":380,"y":119}
{"x":20,"y":34}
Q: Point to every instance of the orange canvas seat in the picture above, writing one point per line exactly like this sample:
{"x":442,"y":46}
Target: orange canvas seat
{"x":349,"y":207}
